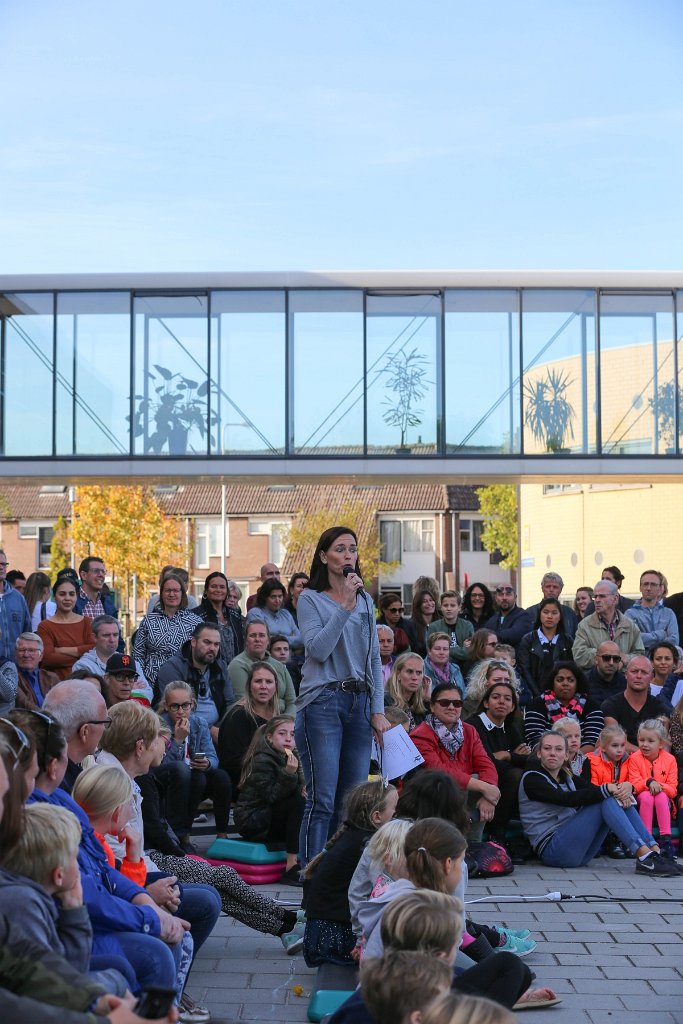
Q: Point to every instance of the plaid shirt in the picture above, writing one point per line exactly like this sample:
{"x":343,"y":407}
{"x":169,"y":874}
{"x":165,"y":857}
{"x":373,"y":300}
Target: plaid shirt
{"x":91,"y":609}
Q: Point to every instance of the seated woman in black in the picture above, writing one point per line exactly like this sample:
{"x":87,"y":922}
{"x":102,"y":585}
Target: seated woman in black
{"x":256,"y":707}
{"x":541,"y":649}
{"x":565,"y":697}
{"x":503,"y":739}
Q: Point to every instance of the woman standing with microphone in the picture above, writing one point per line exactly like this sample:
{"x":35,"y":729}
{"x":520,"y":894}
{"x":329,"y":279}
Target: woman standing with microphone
{"x":341,"y":697}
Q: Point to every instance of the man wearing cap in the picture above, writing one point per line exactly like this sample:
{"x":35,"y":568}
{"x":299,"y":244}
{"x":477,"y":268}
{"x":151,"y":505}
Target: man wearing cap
{"x":107,"y":633}
{"x":121,"y":682}
{"x":510,"y":622}
{"x":14,"y":614}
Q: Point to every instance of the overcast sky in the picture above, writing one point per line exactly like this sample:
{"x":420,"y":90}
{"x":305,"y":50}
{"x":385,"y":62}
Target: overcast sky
{"x":283,"y":134}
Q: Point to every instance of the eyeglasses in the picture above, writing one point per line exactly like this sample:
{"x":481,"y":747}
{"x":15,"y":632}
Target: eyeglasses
{"x":124,"y":675}
{"x":106,"y":722}
{"x":444,"y":702}
{"x":180,"y":707}
{"x":20,"y":735}
{"x":610,"y":657}
{"x":505,"y":590}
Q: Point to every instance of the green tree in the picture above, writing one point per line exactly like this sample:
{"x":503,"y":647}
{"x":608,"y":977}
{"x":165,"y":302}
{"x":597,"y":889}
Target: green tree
{"x":60,"y":548}
{"x":498,"y":505}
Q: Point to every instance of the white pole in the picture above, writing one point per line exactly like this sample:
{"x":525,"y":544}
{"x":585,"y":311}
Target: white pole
{"x":223,"y":527}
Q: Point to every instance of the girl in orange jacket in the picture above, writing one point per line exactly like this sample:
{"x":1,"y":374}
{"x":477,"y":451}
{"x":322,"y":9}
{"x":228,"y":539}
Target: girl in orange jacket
{"x":653,"y":772}
{"x":609,"y":760}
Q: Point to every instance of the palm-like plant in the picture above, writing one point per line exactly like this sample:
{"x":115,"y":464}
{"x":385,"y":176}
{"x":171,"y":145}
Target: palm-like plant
{"x":406,"y":380}
{"x":548,"y":413}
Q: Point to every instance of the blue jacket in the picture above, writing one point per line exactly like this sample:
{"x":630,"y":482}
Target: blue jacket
{"x":107,"y":603}
{"x":655,"y":624}
{"x":106,"y":892}
{"x":14,"y":619}
{"x":511,"y":627}
{"x":200,"y":739}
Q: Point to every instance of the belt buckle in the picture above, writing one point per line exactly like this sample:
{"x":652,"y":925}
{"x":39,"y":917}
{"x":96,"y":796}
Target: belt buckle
{"x":348,"y":686}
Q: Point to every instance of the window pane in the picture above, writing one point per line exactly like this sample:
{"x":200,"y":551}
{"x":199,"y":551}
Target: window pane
{"x":93,"y":364}
{"x":27,"y":391}
{"x":663,"y":424}
{"x":171,"y":385}
{"x":248,"y":367}
{"x":411,"y":535}
{"x":390,"y":540}
{"x":403,"y":336}
{"x":482,"y":371}
{"x":465,"y":535}
{"x":427,"y":535}
{"x":201,"y":556}
{"x":636,"y":373}
{"x":44,"y":546}
{"x":277,"y":546}
{"x":478,"y":526}
{"x":558,"y":335}
{"x":327,"y":343}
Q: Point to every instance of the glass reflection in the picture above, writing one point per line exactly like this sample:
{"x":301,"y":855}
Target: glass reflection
{"x":171,"y":383}
{"x":248,"y":368}
{"x":93,"y":364}
{"x":482,"y":371}
{"x":403,"y":338}
{"x":637,"y":374}
{"x":326,"y":337}
{"x":558,"y":341}
{"x":28,"y":373}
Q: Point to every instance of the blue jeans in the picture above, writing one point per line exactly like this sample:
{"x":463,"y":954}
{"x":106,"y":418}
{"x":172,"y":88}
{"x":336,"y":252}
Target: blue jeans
{"x":151,"y":959}
{"x":578,"y":841}
{"x":334,"y":739}
{"x":200,"y":905}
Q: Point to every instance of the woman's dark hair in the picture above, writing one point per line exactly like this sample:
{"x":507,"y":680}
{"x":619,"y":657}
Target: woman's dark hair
{"x":294,"y":578}
{"x":478,"y":642}
{"x":568,"y":666}
{"x":669,"y":646}
{"x":430,"y":793}
{"x":174,"y":577}
{"x":427,"y":845}
{"x":388,"y":599}
{"x":544,"y":604}
{"x":488,"y":609}
{"x":44,"y":730}
{"x":266,"y":589}
{"x":416,"y":610}
{"x":515,"y":703}
{"x":65,"y":580}
{"x":586,"y":590}
{"x":440,"y":688}
{"x":318,"y":578}
{"x":616,"y":573}
{"x":213,"y":576}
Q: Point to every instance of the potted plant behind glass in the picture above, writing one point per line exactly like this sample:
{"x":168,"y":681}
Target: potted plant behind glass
{"x":663,"y":406}
{"x":181,"y":404}
{"x":406,"y":373}
{"x":548,"y":412}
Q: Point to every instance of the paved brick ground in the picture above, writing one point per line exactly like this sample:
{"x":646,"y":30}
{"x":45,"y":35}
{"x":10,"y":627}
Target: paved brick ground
{"x":609,"y":961}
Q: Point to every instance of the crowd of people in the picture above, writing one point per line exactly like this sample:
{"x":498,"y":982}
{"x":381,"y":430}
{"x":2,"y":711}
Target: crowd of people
{"x":554,"y":732}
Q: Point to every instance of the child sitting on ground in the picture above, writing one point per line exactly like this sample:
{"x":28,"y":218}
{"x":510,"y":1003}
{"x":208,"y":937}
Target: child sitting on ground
{"x":395,"y":989}
{"x":329,"y":937}
{"x":653,"y":771}
{"x":382,"y":862}
{"x":270,"y":805}
{"x":577,"y":762}
{"x":104,"y":793}
{"x":608,"y":765}
{"x":40,"y":889}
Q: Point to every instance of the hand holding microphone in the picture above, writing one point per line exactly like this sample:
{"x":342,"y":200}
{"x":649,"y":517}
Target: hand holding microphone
{"x":354,"y":585}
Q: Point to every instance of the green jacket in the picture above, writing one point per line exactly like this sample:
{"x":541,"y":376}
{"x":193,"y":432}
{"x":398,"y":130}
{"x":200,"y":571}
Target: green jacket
{"x":238,"y":670}
{"x":40,"y":986}
{"x":592,"y":632}
{"x":268,"y":783}
{"x":463,"y":631}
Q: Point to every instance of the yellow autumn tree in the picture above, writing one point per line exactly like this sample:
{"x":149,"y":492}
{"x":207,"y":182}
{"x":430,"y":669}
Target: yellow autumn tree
{"x":301,"y":537}
{"x":128,"y":529}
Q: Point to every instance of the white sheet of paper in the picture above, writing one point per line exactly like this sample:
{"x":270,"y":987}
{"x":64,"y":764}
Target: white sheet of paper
{"x":399,"y":754}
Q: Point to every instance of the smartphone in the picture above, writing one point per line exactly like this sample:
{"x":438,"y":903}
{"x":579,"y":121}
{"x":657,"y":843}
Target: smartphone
{"x":155,"y":1002}
{"x":198,"y":755}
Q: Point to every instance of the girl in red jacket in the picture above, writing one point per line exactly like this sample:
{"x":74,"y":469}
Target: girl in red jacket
{"x":654,"y":774}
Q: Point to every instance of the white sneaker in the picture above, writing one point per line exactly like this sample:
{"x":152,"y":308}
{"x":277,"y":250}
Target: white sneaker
{"x":190,"y":1012}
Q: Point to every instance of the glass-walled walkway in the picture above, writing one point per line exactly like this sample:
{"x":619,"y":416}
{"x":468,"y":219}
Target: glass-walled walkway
{"x":352,"y":366}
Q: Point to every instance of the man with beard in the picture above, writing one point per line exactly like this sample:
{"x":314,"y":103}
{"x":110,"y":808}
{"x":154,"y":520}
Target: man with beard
{"x":198,"y":664}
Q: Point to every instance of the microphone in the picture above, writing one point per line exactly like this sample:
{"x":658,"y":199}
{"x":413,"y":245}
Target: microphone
{"x":346,"y":571}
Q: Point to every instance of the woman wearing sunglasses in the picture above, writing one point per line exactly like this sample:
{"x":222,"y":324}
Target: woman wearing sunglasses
{"x":448,"y":744}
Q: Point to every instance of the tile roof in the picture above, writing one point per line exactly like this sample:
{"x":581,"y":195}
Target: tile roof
{"x":18,"y":502}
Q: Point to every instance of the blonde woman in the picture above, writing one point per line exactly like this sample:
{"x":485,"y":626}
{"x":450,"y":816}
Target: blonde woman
{"x":404,"y":689}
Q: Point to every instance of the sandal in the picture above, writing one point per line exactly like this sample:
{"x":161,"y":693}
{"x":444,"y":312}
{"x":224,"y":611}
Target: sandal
{"x":536,"y":999}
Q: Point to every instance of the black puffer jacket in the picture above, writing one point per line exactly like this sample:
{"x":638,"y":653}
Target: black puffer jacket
{"x":268,"y":783}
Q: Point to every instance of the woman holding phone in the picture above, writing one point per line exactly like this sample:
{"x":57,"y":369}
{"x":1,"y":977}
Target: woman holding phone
{"x":341,"y":697}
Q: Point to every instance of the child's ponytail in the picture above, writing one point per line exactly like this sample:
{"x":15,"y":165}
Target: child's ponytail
{"x":428,"y":844}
